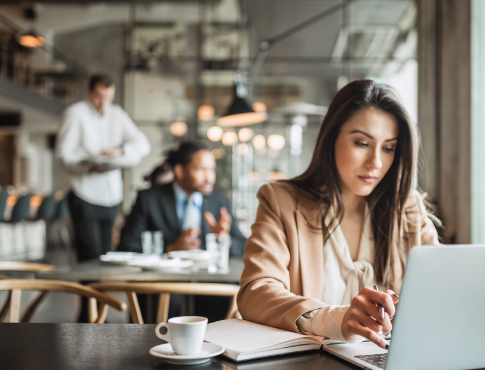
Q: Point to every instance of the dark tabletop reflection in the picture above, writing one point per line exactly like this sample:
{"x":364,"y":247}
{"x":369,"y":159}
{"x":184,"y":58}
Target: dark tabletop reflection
{"x":121,"y":347}
{"x":207,"y":366}
{"x":306,"y":360}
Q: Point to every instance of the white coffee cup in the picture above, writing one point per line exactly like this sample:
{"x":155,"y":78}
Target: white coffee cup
{"x":185,"y":333}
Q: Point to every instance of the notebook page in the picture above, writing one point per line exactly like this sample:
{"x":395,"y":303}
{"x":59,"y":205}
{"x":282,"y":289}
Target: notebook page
{"x":246,"y":336}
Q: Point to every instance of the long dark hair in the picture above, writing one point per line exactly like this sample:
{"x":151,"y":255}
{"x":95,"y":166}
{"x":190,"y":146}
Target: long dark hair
{"x":386,"y":202}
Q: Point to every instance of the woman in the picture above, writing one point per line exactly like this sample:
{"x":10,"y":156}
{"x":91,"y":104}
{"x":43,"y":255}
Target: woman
{"x":322,"y":240}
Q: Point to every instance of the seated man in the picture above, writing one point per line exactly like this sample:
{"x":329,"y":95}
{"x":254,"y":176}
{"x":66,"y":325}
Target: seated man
{"x":185,"y":210}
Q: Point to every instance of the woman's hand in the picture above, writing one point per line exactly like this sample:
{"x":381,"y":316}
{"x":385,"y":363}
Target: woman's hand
{"x":363,"y":318}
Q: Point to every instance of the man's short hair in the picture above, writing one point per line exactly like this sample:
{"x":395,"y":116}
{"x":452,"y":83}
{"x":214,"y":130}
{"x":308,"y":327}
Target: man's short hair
{"x":185,"y":152}
{"x":100,"y":79}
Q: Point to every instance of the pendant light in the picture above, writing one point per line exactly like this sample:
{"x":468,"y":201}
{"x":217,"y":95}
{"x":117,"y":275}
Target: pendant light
{"x":240,"y":113}
{"x":31,"y":39}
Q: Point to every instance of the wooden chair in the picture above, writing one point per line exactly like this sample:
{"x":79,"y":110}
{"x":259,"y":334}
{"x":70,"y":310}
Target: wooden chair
{"x":25,"y":267}
{"x":165,"y":290}
{"x":17,"y":285}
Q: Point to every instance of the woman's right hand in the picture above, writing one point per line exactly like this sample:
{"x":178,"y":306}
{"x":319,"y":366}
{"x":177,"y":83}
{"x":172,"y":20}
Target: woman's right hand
{"x":363,"y":318}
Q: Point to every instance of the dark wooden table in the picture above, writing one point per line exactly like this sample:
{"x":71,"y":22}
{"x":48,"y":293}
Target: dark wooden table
{"x":95,"y":270}
{"x":120,"y":347}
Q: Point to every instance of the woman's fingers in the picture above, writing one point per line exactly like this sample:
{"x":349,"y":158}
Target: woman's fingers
{"x":380,"y":298}
{"x":364,"y":315}
{"x":365,"y":320}
{"x":373,"y":337}
{"x":354,"y":328}
{"x":395,"y":297}
{"x":369,"y":303}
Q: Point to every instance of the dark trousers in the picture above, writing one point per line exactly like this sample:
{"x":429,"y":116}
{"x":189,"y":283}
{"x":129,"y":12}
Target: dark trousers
{"x":93,"y":227}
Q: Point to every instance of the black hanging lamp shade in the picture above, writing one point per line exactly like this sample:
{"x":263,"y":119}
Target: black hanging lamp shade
{"x":240,"y":113}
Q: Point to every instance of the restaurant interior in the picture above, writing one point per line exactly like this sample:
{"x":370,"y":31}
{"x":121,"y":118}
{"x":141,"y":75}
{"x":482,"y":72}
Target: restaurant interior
{"x":183,"y":69}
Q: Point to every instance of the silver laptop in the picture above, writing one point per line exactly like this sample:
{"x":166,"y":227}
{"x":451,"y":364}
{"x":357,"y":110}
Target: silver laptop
{"x":440,"y":320}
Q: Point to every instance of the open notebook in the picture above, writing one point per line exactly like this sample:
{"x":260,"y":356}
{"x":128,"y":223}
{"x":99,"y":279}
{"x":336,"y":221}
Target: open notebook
{"x":246,"y":340}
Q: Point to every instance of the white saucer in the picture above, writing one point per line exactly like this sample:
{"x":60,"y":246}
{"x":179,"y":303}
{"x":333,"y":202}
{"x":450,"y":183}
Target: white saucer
{"x":166,"y":352}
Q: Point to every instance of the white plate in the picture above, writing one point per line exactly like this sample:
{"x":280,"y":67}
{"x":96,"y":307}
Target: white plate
{"x":166,"y":352}
{"x":121,"y":258}
{"x":154,"y":263}
{"x":200,"y":257}
{"x":192,"y":255}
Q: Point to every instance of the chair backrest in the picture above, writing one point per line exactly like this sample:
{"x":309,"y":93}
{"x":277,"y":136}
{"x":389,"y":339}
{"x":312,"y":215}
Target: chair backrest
{"x":17,"y":285}
{"x":165,"y":290}
{"x":20,"y":211}
{"x":62,"y":208}
{"x":3,"y":204}
{"x":24,"y":266}
{"x":47,"y":209}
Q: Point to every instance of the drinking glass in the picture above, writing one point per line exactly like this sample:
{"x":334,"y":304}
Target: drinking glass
{"x":218,"y":247}
{"x":152,"y":242}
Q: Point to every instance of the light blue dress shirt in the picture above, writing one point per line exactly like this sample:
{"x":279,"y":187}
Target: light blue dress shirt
{"x":181,"y":205}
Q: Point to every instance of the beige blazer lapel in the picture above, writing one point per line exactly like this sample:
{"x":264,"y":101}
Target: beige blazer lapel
{"x":311,"y":252}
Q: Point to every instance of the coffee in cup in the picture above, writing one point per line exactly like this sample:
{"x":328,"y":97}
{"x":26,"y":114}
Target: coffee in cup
{"x":185,"y":333}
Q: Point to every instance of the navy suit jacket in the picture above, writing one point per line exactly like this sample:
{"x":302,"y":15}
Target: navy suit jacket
{"x":155,"y":209}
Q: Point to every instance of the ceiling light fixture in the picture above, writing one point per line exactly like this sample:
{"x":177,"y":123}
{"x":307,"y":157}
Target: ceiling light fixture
{"x":259,"y":106}
{"x":205,"y":112}
{"x":276,"y":142}
{"x":178,"y":128}
{"x":259,"y":142}
{"x":240,"y":113}
{"x":31,"y":40}
{"x":229,"y":138}
{"x":245,"y":134}
{"x":215,"y":133}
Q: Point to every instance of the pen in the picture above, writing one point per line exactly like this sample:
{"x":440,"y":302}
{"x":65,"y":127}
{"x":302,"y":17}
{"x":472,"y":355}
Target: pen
{"x":381,"y":309}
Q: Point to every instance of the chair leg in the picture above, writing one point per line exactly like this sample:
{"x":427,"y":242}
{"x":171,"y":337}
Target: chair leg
{"x":163,"y":306}
{"x":231,"y":312}
{"x":92,"y":310}
{"x":103,"y":311}
{"x":5,"y":308}
{"x":33,"y":306}
{"x":15,"y":305}
{"x":134,"y":308}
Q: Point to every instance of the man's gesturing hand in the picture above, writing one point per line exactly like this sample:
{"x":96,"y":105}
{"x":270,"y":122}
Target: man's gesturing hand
{"x":187,"y":239}
{"x":223,"y":226}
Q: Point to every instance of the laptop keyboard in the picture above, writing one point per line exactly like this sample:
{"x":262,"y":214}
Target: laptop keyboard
{"x":378,"y":359}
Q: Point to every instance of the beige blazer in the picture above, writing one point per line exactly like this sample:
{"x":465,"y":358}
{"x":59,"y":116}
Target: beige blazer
{"x":283,"y":259}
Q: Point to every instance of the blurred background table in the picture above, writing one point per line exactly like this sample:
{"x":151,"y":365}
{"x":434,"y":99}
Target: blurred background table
{"x":120,"y":347}
{"x":96,"y":270}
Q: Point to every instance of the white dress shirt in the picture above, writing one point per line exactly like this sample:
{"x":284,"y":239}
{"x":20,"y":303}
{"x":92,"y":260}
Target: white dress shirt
{"x":343,"y":280}
{"x":84,"y":134}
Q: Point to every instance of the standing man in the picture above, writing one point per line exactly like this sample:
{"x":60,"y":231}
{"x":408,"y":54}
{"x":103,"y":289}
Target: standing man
{"x":96,"y":140}
{"x":185,"y":210}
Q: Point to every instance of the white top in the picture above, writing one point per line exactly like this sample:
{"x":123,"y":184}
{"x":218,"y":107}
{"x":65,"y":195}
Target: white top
{"x":83,"y":135}
{"x":343,"y":280}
